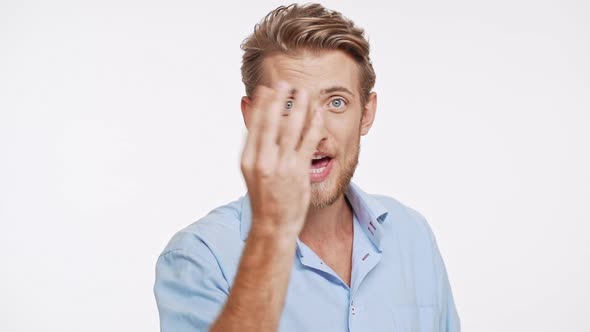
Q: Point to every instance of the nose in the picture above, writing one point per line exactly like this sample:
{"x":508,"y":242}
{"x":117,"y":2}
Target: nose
{"x":323,"y":128}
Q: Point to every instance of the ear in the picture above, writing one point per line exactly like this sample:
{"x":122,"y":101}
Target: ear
{"x":368,"y":115}
{"x":246,"y":105}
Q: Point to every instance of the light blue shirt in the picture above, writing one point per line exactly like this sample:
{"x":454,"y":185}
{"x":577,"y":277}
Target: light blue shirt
{"x":398,"y":280}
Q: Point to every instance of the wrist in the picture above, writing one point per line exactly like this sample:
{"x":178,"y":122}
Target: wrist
{"x":266,"y":248}
{"x":271,"y":230}
{"x":272,"y":235}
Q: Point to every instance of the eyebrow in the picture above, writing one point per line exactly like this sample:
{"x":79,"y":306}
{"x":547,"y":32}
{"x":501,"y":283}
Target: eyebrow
{"x":336,"y":89}
{"x":328,"y":90}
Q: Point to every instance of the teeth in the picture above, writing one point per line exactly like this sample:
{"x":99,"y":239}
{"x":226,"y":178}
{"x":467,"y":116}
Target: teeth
{"x":317,"y":170}
{"x":318,"y":157}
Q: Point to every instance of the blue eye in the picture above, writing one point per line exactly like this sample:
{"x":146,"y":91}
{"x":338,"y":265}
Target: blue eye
{"x":289,"y":105}
{"x":337,"y":103}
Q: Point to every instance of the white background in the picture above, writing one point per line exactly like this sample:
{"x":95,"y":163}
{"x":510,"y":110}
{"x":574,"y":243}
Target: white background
{"x":120,"y":124}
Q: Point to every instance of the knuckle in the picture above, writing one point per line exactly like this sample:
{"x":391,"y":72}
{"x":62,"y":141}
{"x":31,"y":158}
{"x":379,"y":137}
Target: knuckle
{"x":245,"y":165}
{"x":263,"y":170}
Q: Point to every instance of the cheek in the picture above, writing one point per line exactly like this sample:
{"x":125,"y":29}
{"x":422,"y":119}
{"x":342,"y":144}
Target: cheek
{"x":342,"y":125}
{"x":344,"y":130}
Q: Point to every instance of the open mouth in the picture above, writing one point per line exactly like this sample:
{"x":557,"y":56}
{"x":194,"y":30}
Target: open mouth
{"x":320,"y":167}
{"x":319,"y":163}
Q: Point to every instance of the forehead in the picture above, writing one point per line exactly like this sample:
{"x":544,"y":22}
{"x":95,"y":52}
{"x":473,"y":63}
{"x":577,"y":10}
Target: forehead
{"x":315,"y":71}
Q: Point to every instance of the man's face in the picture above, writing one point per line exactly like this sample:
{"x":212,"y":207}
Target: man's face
{"x":331,"y":79}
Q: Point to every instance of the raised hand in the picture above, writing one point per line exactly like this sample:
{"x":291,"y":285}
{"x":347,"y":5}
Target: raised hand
{"x":277,"y":156}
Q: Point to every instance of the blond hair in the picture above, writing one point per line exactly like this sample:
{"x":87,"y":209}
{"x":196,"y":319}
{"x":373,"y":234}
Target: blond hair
{"x":312,"y":27}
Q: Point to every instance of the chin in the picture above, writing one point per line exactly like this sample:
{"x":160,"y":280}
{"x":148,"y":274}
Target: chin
{"x":325,"y":193}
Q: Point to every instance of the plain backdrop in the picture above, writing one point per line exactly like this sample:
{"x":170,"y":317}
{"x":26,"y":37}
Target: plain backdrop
{"x":120,"y":125}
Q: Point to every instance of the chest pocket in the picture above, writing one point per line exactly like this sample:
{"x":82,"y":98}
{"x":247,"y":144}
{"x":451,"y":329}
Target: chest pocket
{"x":416,"y":318}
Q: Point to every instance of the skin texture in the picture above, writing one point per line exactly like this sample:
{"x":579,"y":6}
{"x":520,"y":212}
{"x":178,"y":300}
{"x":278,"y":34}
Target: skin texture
{"x":275,"y":164}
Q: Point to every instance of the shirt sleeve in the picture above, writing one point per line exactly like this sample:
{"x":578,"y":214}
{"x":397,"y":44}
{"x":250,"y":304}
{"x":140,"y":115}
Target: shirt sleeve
{"x":190,"y":289}
{"x":449,"y":319}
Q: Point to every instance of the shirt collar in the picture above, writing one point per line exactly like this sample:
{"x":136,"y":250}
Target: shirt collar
{"x":370,"y":213}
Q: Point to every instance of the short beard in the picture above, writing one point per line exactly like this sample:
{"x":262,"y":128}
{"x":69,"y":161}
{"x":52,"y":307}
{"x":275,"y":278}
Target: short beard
{"x":324,"y":194}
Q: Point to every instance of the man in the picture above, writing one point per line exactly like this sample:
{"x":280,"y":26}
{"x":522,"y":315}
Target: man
{"x":306,"y":249}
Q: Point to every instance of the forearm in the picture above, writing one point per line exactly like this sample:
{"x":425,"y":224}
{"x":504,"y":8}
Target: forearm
{"x":256,"y":300}
{"x":277,"y":176}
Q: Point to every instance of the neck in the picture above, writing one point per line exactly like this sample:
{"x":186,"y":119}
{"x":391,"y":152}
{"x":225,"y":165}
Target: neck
{"x":328,"y":225}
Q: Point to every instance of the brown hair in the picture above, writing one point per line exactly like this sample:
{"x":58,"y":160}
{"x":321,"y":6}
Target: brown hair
{"x":309,"y":27}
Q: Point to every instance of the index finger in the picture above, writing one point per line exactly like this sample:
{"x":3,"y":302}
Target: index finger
{"x":296,"y":119}
{"x":270,"y":109}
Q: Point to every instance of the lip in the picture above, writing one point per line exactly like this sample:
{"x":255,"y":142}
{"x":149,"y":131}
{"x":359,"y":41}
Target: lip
{"x":325,"y":154}
{"x":319,"y":177}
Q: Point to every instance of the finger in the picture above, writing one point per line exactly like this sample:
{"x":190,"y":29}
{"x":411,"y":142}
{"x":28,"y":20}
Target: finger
{"x":247,"y":159}
{"x":272,"y":110}
{"x":313,"y":135}
{"x":295,"y":122}
{"x":251,"y":146}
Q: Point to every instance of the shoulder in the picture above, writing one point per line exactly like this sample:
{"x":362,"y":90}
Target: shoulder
{"x":412,"y":243}
{"x":214,"y":237}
